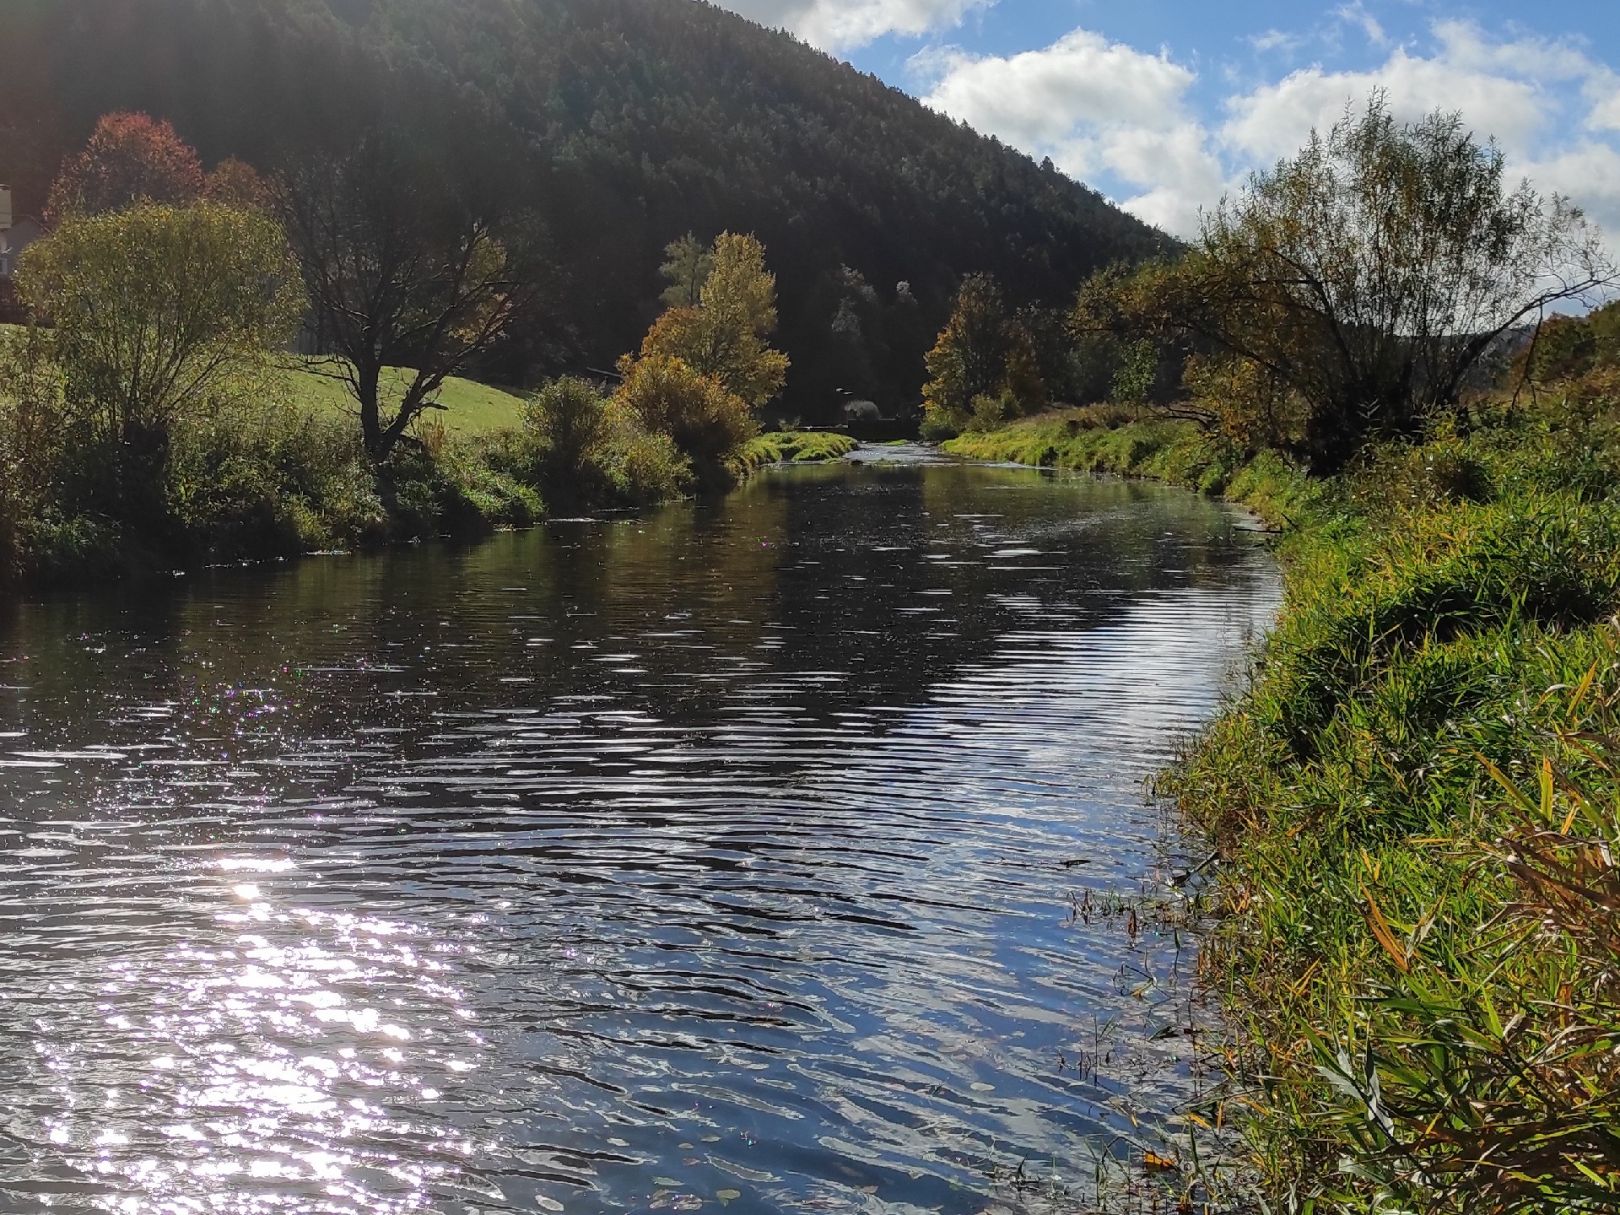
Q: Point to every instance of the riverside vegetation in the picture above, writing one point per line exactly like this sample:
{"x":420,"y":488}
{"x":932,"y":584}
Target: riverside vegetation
{"x":148,"y":416}
{"x":1415,"y":802}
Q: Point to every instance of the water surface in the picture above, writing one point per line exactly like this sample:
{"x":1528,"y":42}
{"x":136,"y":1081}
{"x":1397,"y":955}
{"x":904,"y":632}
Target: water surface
{"x":728,"y":856}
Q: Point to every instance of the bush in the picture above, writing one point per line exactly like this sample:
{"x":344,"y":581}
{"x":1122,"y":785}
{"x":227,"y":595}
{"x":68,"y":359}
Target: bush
{"x":567,"y":423}
{"x":258,"y":478}
{"x":30,"y":436}
{"x":460,"y":493}
{"x":642,"y":467}
{"x":941,"y":424}
{"x":993,"y":412}
{"x":708,"y":424}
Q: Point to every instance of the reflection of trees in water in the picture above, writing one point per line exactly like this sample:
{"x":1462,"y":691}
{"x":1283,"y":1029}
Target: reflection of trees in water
{"x":823,"y":569}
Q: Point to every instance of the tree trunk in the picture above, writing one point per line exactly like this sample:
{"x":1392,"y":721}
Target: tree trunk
{"x":368,"y":378}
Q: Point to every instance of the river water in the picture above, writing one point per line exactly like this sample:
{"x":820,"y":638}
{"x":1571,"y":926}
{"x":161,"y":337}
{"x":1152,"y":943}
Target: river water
{"x":756,"y":853}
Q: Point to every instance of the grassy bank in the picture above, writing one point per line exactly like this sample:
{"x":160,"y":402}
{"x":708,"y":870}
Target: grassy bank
{"x":1417,"y":809}
{"x":1104,"y":440}
{"x":794,"y":447}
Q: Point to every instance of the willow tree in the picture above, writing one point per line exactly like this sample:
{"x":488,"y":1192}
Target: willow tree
{"x":156,"y":311}
{"x":1371,"y":273}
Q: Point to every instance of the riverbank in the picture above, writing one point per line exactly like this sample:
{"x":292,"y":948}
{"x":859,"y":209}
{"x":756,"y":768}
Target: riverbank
{"x":1414,"y":805}
{"x":275,"y":470}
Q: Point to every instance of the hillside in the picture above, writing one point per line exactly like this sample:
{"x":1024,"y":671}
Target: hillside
{"x":636,"y":121}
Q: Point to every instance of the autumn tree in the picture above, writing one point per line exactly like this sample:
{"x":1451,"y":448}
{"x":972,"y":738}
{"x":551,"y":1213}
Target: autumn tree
{"x":238,"y":184}
{"x":726,"y":334}
{"x":154,"y":307}
{"x":707,"y":421}
{"x":410,"y":263}
{"x":130,"y":159}
{"x":1371,"y":274}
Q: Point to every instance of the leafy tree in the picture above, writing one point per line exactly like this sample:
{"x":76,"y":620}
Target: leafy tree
{"x":969,"y":358}
{"x":1373,"y":272}
{"x":725,"y":334}
{"x":406,"y":264}
{"x":238,"y":184}
{"x":1570,"y":347}
{"x":1241,"y":401}
{"x":154,"y":308}
{"x":686,"y":268}
{"x":130,"y":158}
{"x":984,"y":353}
{"x":1022,"y":378}
{"x":1135,"y":372}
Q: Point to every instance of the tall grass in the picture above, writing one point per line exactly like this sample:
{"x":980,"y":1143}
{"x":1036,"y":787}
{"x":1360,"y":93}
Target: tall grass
{"x":1422,"y":990}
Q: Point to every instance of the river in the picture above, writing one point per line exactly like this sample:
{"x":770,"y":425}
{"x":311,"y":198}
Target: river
{"x":758,"y":853}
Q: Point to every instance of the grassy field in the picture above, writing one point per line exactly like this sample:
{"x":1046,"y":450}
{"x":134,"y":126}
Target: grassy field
{"x":470,"y":408}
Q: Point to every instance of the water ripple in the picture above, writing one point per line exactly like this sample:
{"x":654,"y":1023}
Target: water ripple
{"x":729,"y":856}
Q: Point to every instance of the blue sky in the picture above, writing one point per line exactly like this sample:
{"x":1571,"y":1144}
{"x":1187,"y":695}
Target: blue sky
{"x":1166,"y":104}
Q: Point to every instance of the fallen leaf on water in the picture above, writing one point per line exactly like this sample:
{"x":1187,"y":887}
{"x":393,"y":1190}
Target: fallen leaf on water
{"x":1152,"y":1160}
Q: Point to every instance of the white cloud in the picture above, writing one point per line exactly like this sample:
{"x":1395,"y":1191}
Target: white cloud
{"x":1123,"y":118}
{"x":1098,"y":108}
{"x":1041,"y":97}
{"x":1589,"y":173}
{"x":1465,"y":45}
{"x":1275,"y":40}
{"x":1275,"y":119}
{"x":1605,"y":115}
{"x":842,"y":24}
{"x":1356,"y":14}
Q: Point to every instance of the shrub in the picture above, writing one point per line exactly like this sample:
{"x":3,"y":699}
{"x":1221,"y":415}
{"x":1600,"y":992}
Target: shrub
{"x":641,"y":466}
{"x":567,"y":424}
{"x":991,"y":412}
{"x":255,"y":477}
{"x":460,"y":493}
{"x":707,"y":423}
{"x":30,"y":436}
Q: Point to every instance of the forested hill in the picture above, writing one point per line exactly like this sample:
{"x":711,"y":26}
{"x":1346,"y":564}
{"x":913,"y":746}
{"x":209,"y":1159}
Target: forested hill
{"x":638,"y":120}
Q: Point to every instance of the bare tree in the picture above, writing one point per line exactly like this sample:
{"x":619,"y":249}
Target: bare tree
{"x":408,"y":265}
